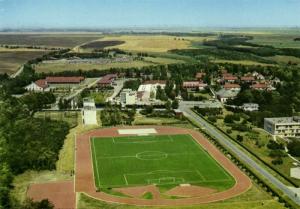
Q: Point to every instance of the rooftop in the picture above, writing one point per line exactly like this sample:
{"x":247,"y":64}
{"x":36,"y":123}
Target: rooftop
{"x":155,"y":82}
{"x":295,"y":119}
{"x":223,"y":93}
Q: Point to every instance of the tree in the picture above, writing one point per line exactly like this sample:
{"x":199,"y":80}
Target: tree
{"x":168,"y":105}
{"x":239,"y":138}
{"x":175,"y":104}
{"x":43,"y":204}
{"x":294,"y":148}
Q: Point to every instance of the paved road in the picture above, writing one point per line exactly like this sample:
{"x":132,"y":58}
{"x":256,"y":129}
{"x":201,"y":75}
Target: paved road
{"x":225,"y":141}
{"x":117,"y":89}
{"x":71,"y":96}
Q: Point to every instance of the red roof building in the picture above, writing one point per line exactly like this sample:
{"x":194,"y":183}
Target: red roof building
{"x":64,"y":80}
{"x":260,"y":86}
{"x":41,"y":83}
{"x":107,"y":80}
{"x":232,"y":86}
{"x":230,"y":78}
{"x":248,"y":79}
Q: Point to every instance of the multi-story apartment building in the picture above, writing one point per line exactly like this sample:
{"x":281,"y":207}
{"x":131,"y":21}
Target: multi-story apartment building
{"x":283,"y":127}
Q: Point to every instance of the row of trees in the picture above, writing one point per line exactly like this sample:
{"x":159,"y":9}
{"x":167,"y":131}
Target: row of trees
{"x":26,"y":142}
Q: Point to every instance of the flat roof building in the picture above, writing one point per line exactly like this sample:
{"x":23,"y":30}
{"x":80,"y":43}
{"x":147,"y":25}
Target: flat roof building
{"x":128,"y":97}
{"x":89,"y":112}
{"x":283,"y":127}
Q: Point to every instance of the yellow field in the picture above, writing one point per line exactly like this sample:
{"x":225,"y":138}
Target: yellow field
{"x":153,"y":43}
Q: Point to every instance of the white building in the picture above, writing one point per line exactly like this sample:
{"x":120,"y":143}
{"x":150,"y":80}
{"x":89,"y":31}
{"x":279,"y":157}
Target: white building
{"x":250,"y":107}
{"x":38,"y":86}
{"x":89,"y":113}
{"x":223,"y":95}
{"x":283,"y":127}
{"x":128,"y":97}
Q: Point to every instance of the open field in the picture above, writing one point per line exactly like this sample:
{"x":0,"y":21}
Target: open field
{"x":59,"y":67}
{"x":49,"y":40}
{"x":242,"y":62}
{"x":101,"y":44}
{"x":276,"y":40}
{"x":153,"y":43}
{"x":11,"y":60}
{"x":285,"y":59}
{"x":143,"y":160}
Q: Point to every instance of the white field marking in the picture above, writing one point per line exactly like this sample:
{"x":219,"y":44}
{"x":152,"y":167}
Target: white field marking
{"x":134,"y":156}
{"x":95,"y":156}
{"x":137,"y":131}
{"x":149,"y":139}
{"x":125,"y":179}
{"x":197,"y":171}
{"x":223,"y":170}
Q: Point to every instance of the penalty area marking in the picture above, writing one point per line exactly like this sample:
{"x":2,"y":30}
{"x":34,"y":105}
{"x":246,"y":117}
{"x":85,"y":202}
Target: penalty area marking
{"x":137,"y":131}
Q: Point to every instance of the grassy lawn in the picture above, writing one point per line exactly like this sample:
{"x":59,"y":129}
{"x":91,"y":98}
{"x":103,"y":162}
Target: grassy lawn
{"x":71,"y":117}
{"x":242,"y":62}
{"x":142,"y":160}
{"x":143,"y":120}
{"x":65,"y":163}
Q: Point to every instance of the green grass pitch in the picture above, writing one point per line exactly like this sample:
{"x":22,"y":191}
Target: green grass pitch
{"x":164,"y":160}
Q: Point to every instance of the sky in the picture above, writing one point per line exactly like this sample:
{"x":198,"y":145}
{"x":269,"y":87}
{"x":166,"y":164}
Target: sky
{"x":148,"y":13}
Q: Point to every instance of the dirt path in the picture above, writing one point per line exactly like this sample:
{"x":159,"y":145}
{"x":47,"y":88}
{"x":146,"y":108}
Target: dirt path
{"x":84,"y":180}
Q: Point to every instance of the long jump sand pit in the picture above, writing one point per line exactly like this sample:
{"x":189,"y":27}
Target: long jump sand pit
{"x":86,"y":165}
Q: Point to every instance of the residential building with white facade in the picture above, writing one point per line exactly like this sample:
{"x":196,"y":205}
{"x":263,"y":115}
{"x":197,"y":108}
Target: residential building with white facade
{"x":89,"y":113}
{"x":283,"y":127}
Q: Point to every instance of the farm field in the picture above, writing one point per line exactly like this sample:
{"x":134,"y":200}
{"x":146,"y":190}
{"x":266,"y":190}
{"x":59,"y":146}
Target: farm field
{"x":11,"y":60}
{"x":277,"y":40}
{"x":49,"y":40}
{"x":163,"y":160}
{"x":153,"y":43}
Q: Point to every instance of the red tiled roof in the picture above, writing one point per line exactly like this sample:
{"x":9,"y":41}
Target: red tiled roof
{"x":41,"y":83}
{"x":200,"y":75}
{"x":155,"y":82}
{"x":73,"y":79}
{"x":231,"y":86}
{"x":259,"y":86}
{"x":230,"y":77}
{"x":247,"y":78}
{"x":107,"y":79}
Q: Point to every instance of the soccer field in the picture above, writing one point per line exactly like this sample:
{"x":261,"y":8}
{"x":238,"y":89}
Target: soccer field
{"x":164,"y":160}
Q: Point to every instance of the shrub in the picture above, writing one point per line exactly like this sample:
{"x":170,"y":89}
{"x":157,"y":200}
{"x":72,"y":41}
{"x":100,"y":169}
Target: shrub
{"x":239,"y":138}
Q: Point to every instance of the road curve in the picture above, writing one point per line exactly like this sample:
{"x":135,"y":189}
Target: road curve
{"x":226,"y":142}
